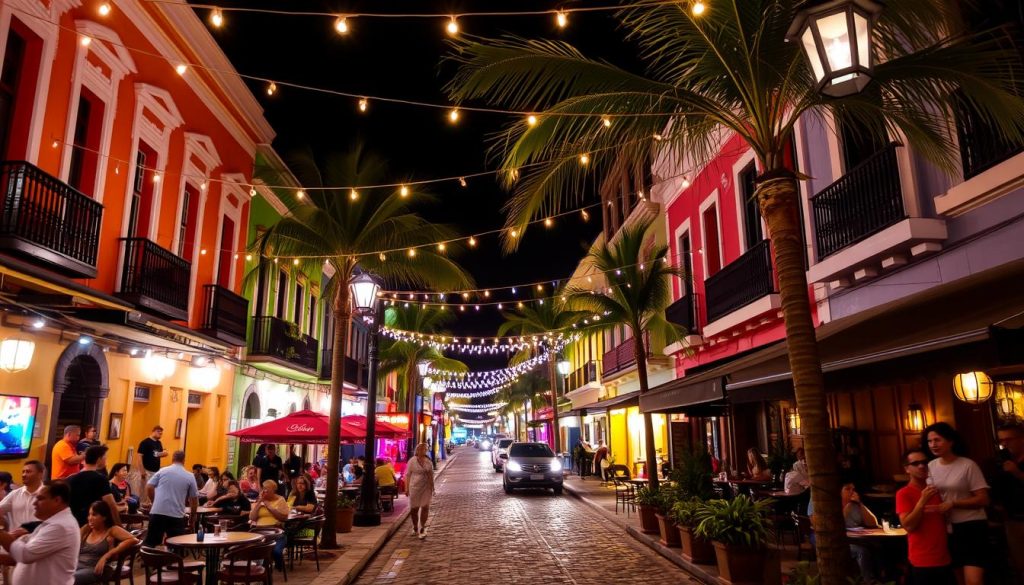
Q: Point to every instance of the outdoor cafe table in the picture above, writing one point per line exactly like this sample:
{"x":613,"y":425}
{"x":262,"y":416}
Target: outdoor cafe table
{"x":876,"y":533}
{"x":212,"y":546}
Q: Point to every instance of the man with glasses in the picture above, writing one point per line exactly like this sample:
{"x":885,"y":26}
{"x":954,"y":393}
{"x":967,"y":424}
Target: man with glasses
{"x":1008,"y":491}
{"x":918,"y":507}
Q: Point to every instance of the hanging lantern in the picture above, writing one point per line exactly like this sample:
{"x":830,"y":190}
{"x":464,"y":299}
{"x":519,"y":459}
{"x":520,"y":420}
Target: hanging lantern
{"x":972,"y":387}
{"x":1008,"y":396}
{"x":794,"y":421}
{"x":563,"y":367}
{"x":423,"y":366}
{"x":915,"y":418}
{"x":836,"y":38}
{"x":364,"y":288}
{"x":16,"y":354}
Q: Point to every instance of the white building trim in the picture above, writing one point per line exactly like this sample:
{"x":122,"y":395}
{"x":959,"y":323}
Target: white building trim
{"x":710,"y":200}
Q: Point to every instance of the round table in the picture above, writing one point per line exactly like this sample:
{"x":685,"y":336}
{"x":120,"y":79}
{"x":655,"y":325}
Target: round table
{"x":203,"y":510}
{"x":212,"y":546}
{"x":877,"y":533}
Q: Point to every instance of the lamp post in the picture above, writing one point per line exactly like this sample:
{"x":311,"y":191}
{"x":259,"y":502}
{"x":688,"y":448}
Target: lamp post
{"x":365,"y":289}
{"x":422,"y":368}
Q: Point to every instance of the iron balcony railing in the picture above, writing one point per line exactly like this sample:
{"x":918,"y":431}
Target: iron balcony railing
{"x":278,"y":338}
{"x":155,"y":277}
{"x":683,"y":312}
{"x":46,"y":219}
{"x":355,"y":371}
{"x":740,"y":283}
{"x":623,"y":356}
{"x":583,"y":375}
{"x":864,"y":201}
{"x":224,"y":312}
{"x":981,"y":147}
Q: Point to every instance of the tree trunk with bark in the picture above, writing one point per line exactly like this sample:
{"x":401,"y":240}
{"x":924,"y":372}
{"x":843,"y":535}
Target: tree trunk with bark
{"x":640,"y":352}
{"x":411,"y":372}
{"x":554,"y":403}
{"x":777,"y":196}
{"x":342,"y":317}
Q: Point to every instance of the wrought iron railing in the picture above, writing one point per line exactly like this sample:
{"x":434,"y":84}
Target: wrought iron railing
{"x":981,"y":147}
{"x":41,"y":209}
{"x":741,"y":282}
{"x":355,"y":371}
{"x":583,"y":375}
{"x":151,"y":273}
{"x":623,"y":356}
{"x":224,"y":311}
{"x":864,"y":201}
{"x":278,"y":338}
{"x":683,"y":312}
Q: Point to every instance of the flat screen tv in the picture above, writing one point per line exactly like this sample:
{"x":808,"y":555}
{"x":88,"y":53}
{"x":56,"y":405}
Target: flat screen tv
{"x":17,"y":420}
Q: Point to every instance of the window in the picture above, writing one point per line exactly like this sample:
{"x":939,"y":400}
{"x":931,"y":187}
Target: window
{"x":530,"y":450}
{"x":297,"y":313}
{"x":312,"y":316}
{"x":21,"y":67}
{"x":187,"y":224}
{"x":141,"y":204}
{"x":86,"y":143}
{"x":857,"y":141}
{"x":686,"y":263}
{"x":282,"y":289}
{"x":226,"y":252}
{"x":711,"y":250}
{"x":746,"y":183}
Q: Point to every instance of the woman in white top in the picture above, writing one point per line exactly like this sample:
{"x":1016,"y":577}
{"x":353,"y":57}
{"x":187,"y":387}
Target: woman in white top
{"x":209,"y":490}
{"x":419,"y":486}
{"x":964,"y":496}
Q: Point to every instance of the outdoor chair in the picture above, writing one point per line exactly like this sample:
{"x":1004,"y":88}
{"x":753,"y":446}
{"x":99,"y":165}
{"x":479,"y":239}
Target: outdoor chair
{"x":297,"y":545}
{"x":166,"y":567}
{"x":120,"y":567}
{"x":128,"y":521}
{"x":625,"y":492}
{"x":248,"y":564}
{"x":804,"y":531}
{"x":270,"y":535}
{"x":387,"y":495}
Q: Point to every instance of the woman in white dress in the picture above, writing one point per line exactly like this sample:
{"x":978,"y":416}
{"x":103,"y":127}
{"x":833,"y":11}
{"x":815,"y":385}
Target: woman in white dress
{"x":419,"y":487}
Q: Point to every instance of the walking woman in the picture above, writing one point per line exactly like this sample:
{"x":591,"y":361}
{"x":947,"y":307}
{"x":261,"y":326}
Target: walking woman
{"x":964,"y":496}
{"x":419,"y":486}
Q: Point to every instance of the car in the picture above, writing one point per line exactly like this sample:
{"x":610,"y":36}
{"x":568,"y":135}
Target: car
{"x":484,"y":444}
{"x":500,"y":453}
{"x":531,"y":465}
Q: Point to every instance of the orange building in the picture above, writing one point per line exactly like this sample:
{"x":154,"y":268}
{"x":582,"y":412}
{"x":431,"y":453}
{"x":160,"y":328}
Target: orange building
{"x":126,"y":177}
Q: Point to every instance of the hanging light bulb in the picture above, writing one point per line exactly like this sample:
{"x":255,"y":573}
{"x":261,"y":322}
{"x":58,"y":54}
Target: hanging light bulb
{"x":561,"y":19}
{"x":686,"y":183}
{"x":341,"y":25}
{"x":453,"y":115}
{"x":585,"y":215}
{"x":441,"y":247}
{"x":181,"y":68}
{"x":353,"y":195}
{"x":295,"y":262}
{"x":85,"y":41}
{"x":382,"y":257}
{"x":412,"y":252}
{"x":271,"y":88}
{"x":403,"y":191}
{"x":252,"y":191}
{"x":584,"y":159}
{"x":657,"y":137}
{"x":156,"y":177}
{"x":531,"y":120}
{"x":472,"y":242}
{"x":104,"y":9}
{"x":514,"y":233}
{"x":300,"y":195}
{"x":216,"y":18}
{"x":362,"y":104}
{"x":698,"y":8}
{"x":462,"y":181}
{"x":606,"y":121}
{"x":248,"y":257}
{"x":487,"y":294}
{"x":549,"y":222}
{"x":453,"y":26}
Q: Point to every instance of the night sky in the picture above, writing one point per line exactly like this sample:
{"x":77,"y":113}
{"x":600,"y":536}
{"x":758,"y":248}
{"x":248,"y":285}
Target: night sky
{"x":404,"y":58}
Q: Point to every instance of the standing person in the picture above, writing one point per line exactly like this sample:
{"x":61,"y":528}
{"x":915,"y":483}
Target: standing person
{"x":1008,"y":491}
{"x":293,"y":467}
{"x":964,"y":494}
{"x":151,"y":451}
{"x":918,"y":507}
{"x":6,"y":479}
{"x":49,"y":554}
{"x":599,"y":457}
{"x":90,"y":485}
{"x":102,"y":540}
{"x":271,"y":467}
{"x":65,"y":461}
{"x":88,"y":439}
{"x":169,"y":489}
{"x":419,"y":487}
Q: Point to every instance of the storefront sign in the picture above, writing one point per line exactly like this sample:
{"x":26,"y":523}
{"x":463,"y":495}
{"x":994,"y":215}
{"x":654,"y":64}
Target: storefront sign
{"x":546,"y":413}
{"x":398,"y":419}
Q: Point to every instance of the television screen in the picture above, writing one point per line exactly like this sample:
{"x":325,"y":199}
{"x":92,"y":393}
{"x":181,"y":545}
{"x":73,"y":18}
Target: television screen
{"x":17,"y":419}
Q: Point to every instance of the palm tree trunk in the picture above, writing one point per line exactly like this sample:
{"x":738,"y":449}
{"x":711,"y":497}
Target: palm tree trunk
{"x":640,"y":352}
{"x":342,"y":317}
{"x":554,"y":404}
{"x":777,"y":195}
{"x":410,"y":403}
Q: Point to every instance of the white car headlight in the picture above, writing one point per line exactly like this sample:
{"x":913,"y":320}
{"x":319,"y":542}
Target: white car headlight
{"x":486,"y":444}
{"x":556,"y":465}
{"x":513,"y":466}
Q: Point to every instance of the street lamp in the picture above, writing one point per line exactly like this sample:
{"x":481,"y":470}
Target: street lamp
{"x":423,"y":367}
{"x":836,"y":36}
{"x":365,"y":290}
{"x":563,"y":367}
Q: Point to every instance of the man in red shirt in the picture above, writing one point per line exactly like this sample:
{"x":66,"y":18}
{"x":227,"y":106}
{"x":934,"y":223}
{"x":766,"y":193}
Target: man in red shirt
{"x":918,"y":506}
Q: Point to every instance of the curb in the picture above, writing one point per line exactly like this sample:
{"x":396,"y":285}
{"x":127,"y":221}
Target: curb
{"x":671,"y":554}
{"x":357,"y":568}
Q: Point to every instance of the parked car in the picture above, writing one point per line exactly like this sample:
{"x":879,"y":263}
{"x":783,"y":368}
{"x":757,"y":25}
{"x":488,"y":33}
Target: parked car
{"x":532,"y":465}
{"x":484,"y":444}
{"x":500,"y":453}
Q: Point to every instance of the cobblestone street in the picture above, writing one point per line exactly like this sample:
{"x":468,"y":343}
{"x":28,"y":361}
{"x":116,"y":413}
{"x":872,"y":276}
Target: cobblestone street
{"x":477,"y":534}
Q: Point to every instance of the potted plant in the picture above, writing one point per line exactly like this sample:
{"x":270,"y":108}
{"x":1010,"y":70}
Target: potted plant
{"x":647,"y":501}
{"x":695,"y":549}
{"x":739,"y":529}
{"x":667,"y":498}
{"x":693,"y":474}
{"x":345,"y":513}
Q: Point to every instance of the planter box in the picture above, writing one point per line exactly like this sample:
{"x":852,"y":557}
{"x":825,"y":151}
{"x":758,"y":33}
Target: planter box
{"x":669,"y":534}
{"x":344,"y":518}
{"x":648,"y":519}
{"x":696,"y":550}
{"x":740,"y":565}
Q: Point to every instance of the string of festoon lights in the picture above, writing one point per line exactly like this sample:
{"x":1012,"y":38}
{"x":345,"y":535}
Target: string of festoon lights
{"x":480,"y":394}
{"x":468,"y":422}
{"x":477,"y":408}
{"x":493,"y":380}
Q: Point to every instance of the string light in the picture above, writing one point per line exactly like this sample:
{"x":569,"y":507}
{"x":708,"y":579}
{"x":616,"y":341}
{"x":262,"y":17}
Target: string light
{"x":606,"y":121}
{"x":248,"y":257}
{"x":181,"y":68}
{"x":353,"y":195}
{"x":216,"y":18}
{"x":412,"y":252}
{"x":462,"y":181}
{"x":271,"y":88}
{"x":686,"y":183}
{"x":561,"y":19}
{"x":403,"y":191}
{"x":453,"y":26}
{"x":341,"y":25}
{"x":584,"y":159}
{"x":300,"y":194}
{"x":585,"y":215}
{"x":453,"y":115}
{"x":441,"y":247}
{"x":698,"y":8}
{"x":85,"y":41}
{"x":295,"y":262}
{"x":362,"y":104}
{"x":104,"y":9}
{"x":548,"y":222}
{"x":472,"y":242}
{"x":156,"y":177}
{"x":531,"y":120}
{"x":252,"y":191}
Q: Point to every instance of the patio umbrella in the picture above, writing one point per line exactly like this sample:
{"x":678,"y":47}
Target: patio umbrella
{"x":382,"y":430}
{"x":302,"y":427}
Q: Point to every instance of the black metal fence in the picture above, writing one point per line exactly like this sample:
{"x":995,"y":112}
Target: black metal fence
{"x":154,"y":273}
{"x":279,"y":338}
{"x":224,"y":311}
{"x":683,"y":312}
{"x":740,"y":283}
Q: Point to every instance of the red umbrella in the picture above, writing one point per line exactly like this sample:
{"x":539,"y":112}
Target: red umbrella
{"x":382,"y":430}
{"x":302,"y":427}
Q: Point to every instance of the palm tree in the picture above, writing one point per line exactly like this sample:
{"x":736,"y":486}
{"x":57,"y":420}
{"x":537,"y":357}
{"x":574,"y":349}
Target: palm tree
{"x":537,"y":318}
{"x":329,"y":226}
{"x":730,"y":69}
{"x":636,"y":297}
{"x":402,"y":356}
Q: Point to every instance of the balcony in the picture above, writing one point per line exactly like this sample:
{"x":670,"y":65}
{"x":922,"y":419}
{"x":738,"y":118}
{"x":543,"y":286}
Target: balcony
{"x":683,"y":313}
{"x":583,"y":375}
{"x":622,"y":357}
{"x":355,"y":372}
{"x":155,"y":278}
{"x":283,"y":343}
{"x":981,"y":148}
{"x":47,"y":221}
{"x":862,"y":202}
{"x":745,"y":280}
{"x":224,"y":314}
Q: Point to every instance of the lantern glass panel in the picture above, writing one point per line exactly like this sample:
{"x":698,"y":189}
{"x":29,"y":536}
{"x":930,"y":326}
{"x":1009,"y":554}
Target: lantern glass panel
{"x":835,"y":37}
{"x":364,"y":292}
{"x":812,"y":54}
{"x":860,"y":25}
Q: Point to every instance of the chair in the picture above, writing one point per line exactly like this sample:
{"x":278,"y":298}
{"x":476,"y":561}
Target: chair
{"x":387,"y":495}
{"x":270,"y":535}
{"x":299,"y":544}
{"x":625,"y":492}
{"x":120,"y":567}
{"x":165,"y":567}
{"x":236,"y":522}
{"x":129,"y":520}
{"x":248,"y":564}
{"x":804,"y":531}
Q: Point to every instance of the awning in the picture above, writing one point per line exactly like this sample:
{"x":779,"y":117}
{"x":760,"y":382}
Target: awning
{"x":621,"y":401}
{"x":682,"y":392}
{"x":134,"y":335}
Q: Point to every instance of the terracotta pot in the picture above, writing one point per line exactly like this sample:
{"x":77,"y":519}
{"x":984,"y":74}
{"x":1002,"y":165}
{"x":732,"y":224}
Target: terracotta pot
{"x":669,"y":534}
{"x":343,"y":517}
{"x":648,"y":519}
{"x":740,"y":565}
{"x":696,"y":550}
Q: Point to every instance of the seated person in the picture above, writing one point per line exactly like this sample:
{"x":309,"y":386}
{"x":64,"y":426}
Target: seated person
{"x":757,"y":467}
{"x":121,"y":490}
{"x":357,"y":476}
{"x":102,"y":540}
{"x":798,"y":479}
{"x":385,"y":474}
{"x":250,"y":483}
{"x":233,"y":502}
{"x":302,"y":499}
{"x":209,"y":490}
{"x":856,"y":515}
{"x":271,"y":509}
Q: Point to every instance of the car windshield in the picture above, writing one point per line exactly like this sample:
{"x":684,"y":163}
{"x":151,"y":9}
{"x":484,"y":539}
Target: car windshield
{"x":530,"y":450}
{"x":504,"y":443}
